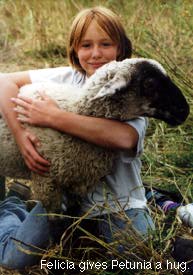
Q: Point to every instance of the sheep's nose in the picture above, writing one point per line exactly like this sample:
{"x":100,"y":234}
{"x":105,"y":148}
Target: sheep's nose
{"x":183,"y":113}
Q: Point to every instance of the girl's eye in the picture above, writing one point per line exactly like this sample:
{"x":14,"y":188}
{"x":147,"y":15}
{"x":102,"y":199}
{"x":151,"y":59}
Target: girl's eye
{"x":107,"y":44}
{"x":85,"y":45}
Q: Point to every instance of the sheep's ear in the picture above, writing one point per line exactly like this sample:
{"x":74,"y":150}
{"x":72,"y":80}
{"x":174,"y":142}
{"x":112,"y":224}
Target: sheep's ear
{"x":117,"y":83}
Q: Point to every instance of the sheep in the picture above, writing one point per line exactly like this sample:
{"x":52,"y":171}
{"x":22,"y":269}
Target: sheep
{"x":119,"y":90}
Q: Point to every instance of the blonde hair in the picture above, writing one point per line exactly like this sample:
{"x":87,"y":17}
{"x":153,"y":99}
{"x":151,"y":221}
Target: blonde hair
{"x":108,"y":21}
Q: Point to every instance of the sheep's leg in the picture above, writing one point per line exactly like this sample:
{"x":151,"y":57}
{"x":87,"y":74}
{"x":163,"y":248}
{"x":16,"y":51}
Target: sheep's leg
{"x":45,"y":190}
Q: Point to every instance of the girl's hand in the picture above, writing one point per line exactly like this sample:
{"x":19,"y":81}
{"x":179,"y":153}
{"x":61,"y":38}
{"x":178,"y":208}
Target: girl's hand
{"x":27,"y":143}
{"x":35,"y":111}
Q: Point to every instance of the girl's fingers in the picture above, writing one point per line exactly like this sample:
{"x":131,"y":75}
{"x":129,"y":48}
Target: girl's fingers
{"x":43,"y":95}
{"x":23,"y":119}
{"x":20,"y":102}
{"x":37,"y":169}
{"x":21,"y":111}
{"x":26,"y":99}
{"x":39,"y":161}
{"x":36,"y":163}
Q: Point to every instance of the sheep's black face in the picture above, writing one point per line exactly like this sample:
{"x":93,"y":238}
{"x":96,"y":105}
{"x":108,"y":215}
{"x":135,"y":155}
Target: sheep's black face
{"x":166,"y":101}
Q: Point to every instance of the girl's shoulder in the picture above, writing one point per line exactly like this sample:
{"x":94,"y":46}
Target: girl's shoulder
{"x":61,"y":75}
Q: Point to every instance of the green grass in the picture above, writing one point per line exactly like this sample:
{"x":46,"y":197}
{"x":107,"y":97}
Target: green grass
{"x":33,"y":34}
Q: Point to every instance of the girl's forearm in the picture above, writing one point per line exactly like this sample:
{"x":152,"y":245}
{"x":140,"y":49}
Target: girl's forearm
{"x":8,"y":89}
{"x":100,"y":131}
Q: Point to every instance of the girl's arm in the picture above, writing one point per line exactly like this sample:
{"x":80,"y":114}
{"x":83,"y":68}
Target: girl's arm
{"x":9,"y":86}
{"x":100,"y":131}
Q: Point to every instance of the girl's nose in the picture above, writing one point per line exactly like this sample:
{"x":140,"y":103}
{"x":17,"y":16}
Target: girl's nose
{"x":96,"y":52}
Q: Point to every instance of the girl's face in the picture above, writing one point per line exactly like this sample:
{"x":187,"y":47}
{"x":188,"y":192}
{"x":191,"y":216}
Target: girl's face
{"x":96,"y":49}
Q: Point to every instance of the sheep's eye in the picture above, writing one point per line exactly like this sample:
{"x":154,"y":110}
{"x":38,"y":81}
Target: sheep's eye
{"x":149,"y":83}
{"x":149,"y":87}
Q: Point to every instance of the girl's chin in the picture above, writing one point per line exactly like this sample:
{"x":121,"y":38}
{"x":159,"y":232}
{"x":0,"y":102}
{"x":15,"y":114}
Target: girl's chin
{"x":92,"y":70}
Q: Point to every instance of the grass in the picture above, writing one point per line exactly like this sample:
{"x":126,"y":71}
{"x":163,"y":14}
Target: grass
{"x":33,"y":34}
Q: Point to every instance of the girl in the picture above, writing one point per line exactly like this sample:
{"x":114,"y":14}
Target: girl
{"x":96,"y":38}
